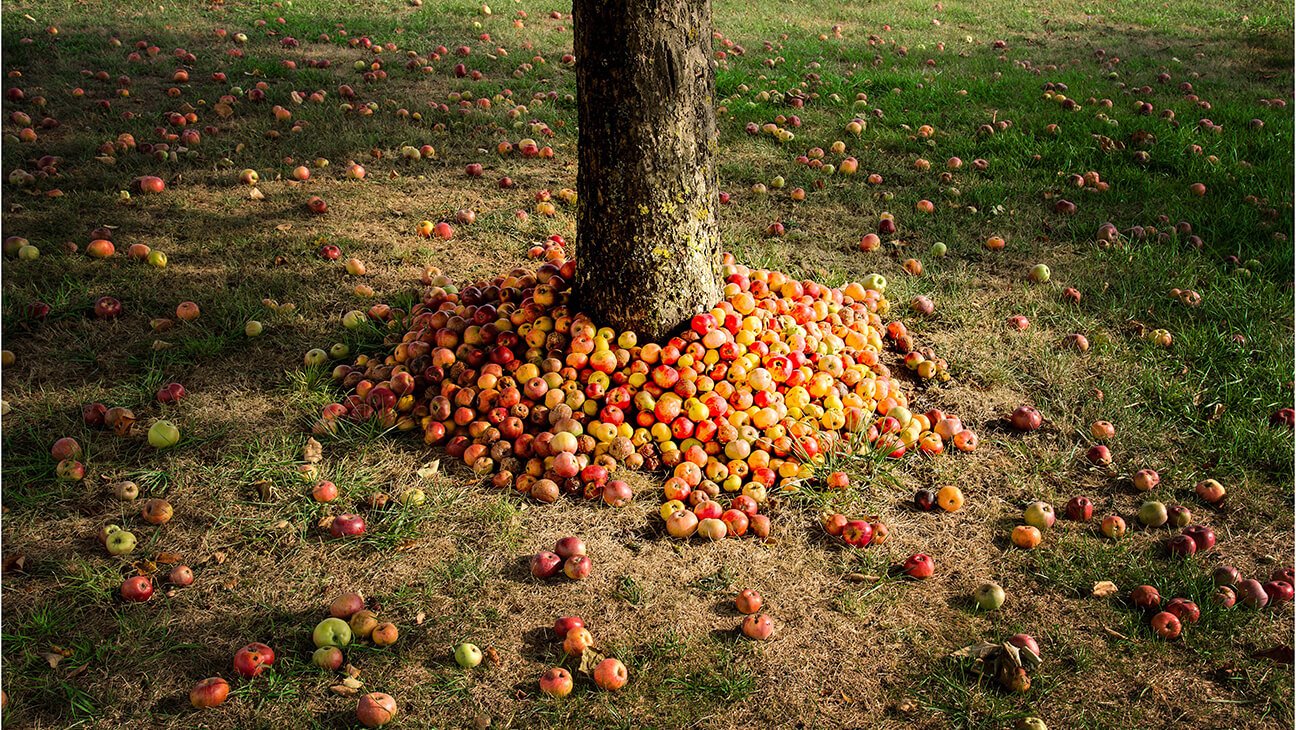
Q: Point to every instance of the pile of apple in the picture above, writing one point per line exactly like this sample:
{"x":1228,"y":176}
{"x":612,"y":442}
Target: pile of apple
{"x":568,"y":557}
{"x":745,"y":401}
{"x":608,"y":674}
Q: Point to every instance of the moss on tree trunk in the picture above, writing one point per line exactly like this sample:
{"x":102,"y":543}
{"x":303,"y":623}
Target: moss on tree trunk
{"x":646,"y":227}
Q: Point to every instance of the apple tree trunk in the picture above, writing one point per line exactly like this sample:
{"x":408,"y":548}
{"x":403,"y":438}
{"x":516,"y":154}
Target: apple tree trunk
{"x":646,"y":185}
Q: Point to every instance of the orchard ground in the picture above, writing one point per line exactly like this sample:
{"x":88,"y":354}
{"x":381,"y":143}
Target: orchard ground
{"x":844,"y":653}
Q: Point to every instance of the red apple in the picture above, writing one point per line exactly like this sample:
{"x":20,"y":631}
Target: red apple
{"x":1145,"y":597}
{"x":569,"y":546}
{"x":556,"y":682}
{"x":577,"y":567}
{"x":376,"y":709}
{"x":1186,"y":611}
{"x":252,"y":659}
{"x":1253,"y":594}
{"x":1167,"y":625}
{"x":209,"y":693}
{"x":1202,"y":535}
{"x":1026,"y":418}
{"x":749,"y":601}
{"x":1025,"y":641}
{"x":858,"y":533}
{"x":566,"y":624}
{"x":345,"y":605}
{"x":1079,"y":509}
{"x":347,"y":526}
{"x":546,"y":564}
{"x":919,"y":566}
{"x":758,"y":626}
{"x":137,"y":589}
{"x":610,"y":674}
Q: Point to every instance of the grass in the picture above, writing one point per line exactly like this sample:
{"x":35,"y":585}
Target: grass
{"x":454,"y":569}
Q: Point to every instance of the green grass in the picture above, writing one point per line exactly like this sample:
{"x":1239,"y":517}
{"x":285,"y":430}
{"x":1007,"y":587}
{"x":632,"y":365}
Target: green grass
{"x":454,"y":568}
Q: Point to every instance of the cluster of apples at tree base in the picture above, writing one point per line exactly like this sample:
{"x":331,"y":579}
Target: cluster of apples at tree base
{"x":511,"y":379}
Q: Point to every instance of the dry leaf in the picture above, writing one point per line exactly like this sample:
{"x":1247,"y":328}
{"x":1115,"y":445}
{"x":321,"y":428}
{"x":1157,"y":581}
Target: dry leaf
{"x":1104,"y":588}
{"x":353,"y":683}
{"x":225,"y":111}
{"x":313,"y":451}
{"x":429,"y":471}
{"x":219,"y":557}
{"x":167,"y":558}
{"x":351,"y":670}
{"x":492,"y":656}
{"x":15,"y":562}
{"x":145,"y":567}
{"x":53,"y":658}
{"x":256,"y":194}
{"x":263,"y":489}
{"x":77,"y":671}
{"x":325,"y":521}
{"x":590,"y":658}
{"x":406,"y":546}
{"x":281,"y":524}
{"x":230,"y":584}
{"x":418,"y":618}
{"x":283,"y":227}
{"x":161,"y":345}
{"x":1280,"y":654}
{"x":341,"y":690}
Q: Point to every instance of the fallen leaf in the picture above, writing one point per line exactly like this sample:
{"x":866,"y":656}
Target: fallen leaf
{"x":351,"y":671}
{"x":167,"y":558}
{"x":590,"y":658}
{"x":219,"y":557}
{"x":1104,"y":588}
{"x":325,"y":521}
{"x":406,"y":546}
{"x":341,"y":690}
{"x":429,"y":471}
{"x":283,"y":227}
{"x":281,"y":524}
{"x":492,"y":656}
{"x":224,"y":111}
{"x":15,"y":562}
{"x":256,"y":194}
{"x":263,"y":489}
{"x":1280,"y":654}
{"x":313,"y":451}
{"x":353,"y":683}
{"x":53,"y":658}
{"x":418,"y":618}
{"x":145,"y":567}
{"x":77,"y":671}
{"x":160,"y":345}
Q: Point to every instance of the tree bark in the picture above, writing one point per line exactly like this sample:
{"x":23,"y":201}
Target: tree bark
{"x":646,"y":230}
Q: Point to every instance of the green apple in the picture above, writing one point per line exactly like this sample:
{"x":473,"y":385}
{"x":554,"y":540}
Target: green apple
{"x":875,"y":282}
{"x":988,"y":596}
{"x":1153,"y":514}
{"x":28,"y":252}
{"x":339,"y":351}
{"x":253,"y":329}
{"x":332,"y":632}
{"x":413,"y":498}
{"x":353,"y":319}
{"x":120,"y":542}
{"x":163,"y":435}
{"x":158,"y":259}
{"x":1040,"y":274}
{"x":939,"y":249}
{"x":468,"y":655}
{"x":316,"y":357}
{"x":1039,"y":515}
